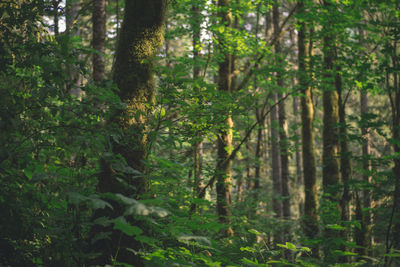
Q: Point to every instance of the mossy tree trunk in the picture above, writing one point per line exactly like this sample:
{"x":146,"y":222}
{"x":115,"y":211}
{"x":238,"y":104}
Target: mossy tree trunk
{"x":140,"y":37}
{"x":310,"y":218}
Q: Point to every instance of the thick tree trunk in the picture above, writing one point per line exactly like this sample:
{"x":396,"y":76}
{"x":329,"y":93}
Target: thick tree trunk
{"x":140,"y":38}
{"x":310,"y":219}
{"x":224,"y":165}
{"x":99,"y":38}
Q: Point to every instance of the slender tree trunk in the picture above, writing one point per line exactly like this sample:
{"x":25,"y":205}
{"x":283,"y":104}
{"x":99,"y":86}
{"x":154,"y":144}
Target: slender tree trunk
{"x":295,"y":108}
{"x":310,"y":219}
{"x":198,"y":143}
{"x":330,"y":162}
{"x":283,"y":130}
{"x":99,"y":38}
{"x":284,"y":160}
{"x":55,"y":4}
{"x":345,"y":159}
{"x":395,"y":106}
{"x":259,"y":150}
{"x":363,"y":235}
{"x":367,"y":218}
{"x":140,"y":38}
{"x":276,"y":156}
{"x":225,"y":138}
{"x":261,"y":122}
{"x":72,"y":29}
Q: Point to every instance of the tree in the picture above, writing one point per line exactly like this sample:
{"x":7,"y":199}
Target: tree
{"x":330,"y":162}
{"x":225,"y":138}
{"x":99,"y":38}
{"x":140,"y":37}
{"x":274,"y":117}
{"x":310,"y":221}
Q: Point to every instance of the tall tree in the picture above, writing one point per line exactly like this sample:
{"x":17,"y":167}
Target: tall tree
{"x":197,"y":146}
{"x":310,"y":219}
{"x":330,"y":161}
{"x":283,"y":128}
{"x":274,"y":117}
{"x":225,"y":138}
{"x":72,"y":29}
{"x":99,"y":38}
{"x":140,"y":37}
{"x":394,"y":96}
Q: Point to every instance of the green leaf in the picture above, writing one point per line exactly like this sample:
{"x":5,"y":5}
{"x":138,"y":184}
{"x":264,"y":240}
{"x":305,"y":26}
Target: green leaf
{"x":393,"y":255}
{"x":335,"y":227}
{"x":254,"y":231}
{"x":291,"y":246}
{"x":98,"y":203}
{"x":121,"y":224}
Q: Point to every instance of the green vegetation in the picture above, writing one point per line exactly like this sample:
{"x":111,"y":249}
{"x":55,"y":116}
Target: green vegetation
{"x":199,"y":133}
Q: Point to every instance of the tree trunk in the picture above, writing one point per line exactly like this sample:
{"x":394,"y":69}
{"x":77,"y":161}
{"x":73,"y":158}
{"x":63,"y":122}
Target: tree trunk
{"x":363,"y":235}
{"x":140,"y":38}
{"x":259,"y":150}
{"x":367,"y":219}
{"x":345,"y":159}
{"x":284,"y":160}
{"x":99,"y":38}
{"x":225,"y":138}
{"x":72,"y":29}
{"x":330,"y":162}
{"x":198,"y":142}
{"x":55,"y":4}
{"x":310,"y":219}
{"x":283,"y":130}
{"x":276,"y":157}
{"x":395,"y":106}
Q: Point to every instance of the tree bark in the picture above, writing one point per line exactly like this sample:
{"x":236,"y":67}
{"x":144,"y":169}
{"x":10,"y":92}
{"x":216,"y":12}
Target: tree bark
{"x":99,"y":38}
{"x":276,"y":159}
{"x":310,"y":219}
{"x":345,"y":159}
{"x":330,"y":162}
{"x":140,"y":38}
{"x":283,"y":140}
{"x":72,"y":29}
{"x":198,"y":142}
{"x":225,"y":138}
{"x":395,"y":106}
